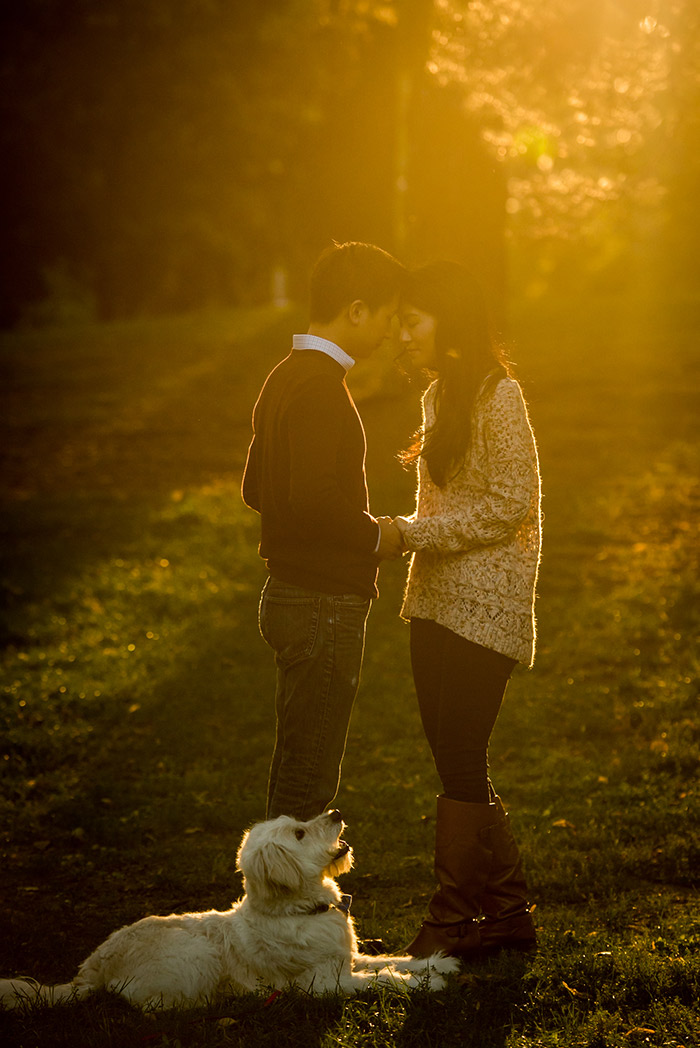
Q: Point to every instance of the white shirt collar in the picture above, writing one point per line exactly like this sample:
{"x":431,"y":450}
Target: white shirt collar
{"x":323,"y":345}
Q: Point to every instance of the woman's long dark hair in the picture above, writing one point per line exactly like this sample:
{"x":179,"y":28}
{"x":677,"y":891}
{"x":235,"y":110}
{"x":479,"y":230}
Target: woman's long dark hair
{"x":466,"y":354}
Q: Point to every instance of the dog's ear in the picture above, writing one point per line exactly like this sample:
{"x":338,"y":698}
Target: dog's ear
{"x":269,"y":867}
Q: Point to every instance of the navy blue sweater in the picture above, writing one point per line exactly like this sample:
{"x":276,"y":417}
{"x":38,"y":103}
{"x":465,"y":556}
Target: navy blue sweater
{"x":305,"y":475}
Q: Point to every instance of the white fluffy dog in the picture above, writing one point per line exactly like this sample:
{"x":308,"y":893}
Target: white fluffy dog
{"x":290,"y":928}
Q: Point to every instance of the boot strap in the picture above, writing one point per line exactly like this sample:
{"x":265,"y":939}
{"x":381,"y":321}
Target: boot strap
{"x":461,"y":930}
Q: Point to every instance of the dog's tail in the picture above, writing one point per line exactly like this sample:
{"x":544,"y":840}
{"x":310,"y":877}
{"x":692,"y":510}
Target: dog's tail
{"x":16,"y":993}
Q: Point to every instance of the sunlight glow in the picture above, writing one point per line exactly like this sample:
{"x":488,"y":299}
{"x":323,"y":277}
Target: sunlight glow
{"x":566,"y":150}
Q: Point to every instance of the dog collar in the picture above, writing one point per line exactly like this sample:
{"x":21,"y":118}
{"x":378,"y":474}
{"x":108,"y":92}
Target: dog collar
{"x":343,"y":906}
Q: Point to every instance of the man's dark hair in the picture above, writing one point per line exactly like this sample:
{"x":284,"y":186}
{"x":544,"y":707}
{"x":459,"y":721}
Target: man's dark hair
{"x":347,"y":272}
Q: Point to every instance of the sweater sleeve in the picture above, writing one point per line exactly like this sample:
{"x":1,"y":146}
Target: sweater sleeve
{"x":320,"y":507}
{"x":493,"y":514}
{"x":249,"y":486}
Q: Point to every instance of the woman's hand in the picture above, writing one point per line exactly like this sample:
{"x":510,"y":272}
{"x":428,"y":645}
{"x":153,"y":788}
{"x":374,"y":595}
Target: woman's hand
{"x":401,"y":523}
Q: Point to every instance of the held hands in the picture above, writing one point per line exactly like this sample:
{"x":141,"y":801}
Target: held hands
{"x":391,"y":542}
{"x":401,"y":523}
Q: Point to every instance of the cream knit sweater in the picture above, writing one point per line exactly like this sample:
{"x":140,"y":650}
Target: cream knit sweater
{"x":477,"y":540}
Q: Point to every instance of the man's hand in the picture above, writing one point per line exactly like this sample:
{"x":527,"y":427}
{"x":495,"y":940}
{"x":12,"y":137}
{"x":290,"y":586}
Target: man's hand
{"x":390,"y":543}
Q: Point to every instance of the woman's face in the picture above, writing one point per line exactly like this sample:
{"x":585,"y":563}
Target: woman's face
{"x":418,"y":337}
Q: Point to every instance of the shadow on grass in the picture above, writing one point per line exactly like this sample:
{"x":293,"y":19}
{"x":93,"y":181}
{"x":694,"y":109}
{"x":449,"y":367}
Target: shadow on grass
{"x":479,"y":1009}
{"x":104,"y":1020}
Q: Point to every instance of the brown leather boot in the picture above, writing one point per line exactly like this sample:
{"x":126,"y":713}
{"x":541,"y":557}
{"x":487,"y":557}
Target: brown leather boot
{"x":462,"y":863}
{"x":507,"y":921}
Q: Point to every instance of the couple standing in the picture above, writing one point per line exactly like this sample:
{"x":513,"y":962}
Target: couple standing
{"x":474,"y":539}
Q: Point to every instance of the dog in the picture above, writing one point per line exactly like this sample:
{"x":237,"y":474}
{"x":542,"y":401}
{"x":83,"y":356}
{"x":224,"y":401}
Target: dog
{"x":290,"y":928}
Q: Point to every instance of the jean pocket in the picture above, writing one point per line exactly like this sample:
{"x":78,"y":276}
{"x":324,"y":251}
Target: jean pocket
{"x":352,"y":600}
{"x":290,"y":626}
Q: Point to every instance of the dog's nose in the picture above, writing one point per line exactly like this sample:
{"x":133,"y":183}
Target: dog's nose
{"x":335,"y":815}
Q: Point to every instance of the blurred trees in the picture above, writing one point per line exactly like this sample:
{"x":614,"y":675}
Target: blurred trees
{"x":162,"y":154}
{"x":590,"y":106}
{"x":165,"y":154}
{"x":143,"y":143}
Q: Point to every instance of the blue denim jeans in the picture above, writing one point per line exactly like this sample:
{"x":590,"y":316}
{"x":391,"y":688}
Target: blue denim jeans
{"x":318,"y":640}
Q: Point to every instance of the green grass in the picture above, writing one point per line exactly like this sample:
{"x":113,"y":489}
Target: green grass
{"x":136,"y":699}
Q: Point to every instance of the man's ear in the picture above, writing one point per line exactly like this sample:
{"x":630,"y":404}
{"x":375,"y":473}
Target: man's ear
{"x":357,"y":311}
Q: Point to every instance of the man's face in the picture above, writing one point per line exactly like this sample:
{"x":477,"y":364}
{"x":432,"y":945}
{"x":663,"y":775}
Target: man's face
{"x":373,"y":326}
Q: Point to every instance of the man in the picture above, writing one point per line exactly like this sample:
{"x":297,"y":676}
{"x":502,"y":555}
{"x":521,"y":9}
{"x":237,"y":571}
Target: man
{"x":305,"y":475}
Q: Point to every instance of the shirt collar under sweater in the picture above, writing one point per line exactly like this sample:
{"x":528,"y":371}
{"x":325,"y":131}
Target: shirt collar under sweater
{"x":323,"y":345}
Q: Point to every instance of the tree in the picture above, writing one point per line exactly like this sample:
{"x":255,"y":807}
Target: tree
{"x":168,"y":154}
{"x":580,"y":103}
{"x":162,"y":154}
{"x":146,"y":143}
{"x":435,"y":190}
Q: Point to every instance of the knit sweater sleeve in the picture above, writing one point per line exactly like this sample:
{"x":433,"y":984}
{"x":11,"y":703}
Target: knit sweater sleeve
{"x":492,"y":512}
{"x":319,"y":504}
{"x":249,"y":484}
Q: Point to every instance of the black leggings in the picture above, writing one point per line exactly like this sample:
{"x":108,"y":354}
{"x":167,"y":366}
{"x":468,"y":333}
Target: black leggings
{"x":460,"y":687}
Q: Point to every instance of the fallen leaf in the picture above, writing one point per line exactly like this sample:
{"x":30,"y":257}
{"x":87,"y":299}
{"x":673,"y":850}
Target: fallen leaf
{"x":574,"y":992}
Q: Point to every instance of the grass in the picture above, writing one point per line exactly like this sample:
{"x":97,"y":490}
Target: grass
{"x":136,"y":716}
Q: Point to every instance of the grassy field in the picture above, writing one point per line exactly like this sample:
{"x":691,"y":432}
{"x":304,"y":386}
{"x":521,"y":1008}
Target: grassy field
{"x":136,"y":703}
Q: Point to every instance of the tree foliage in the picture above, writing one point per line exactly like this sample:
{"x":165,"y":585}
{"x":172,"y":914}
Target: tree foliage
{"x":160,"y":155}
{"x":588,"y":104}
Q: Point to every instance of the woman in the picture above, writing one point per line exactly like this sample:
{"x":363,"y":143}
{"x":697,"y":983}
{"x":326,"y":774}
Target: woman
{"x":475,"y":537}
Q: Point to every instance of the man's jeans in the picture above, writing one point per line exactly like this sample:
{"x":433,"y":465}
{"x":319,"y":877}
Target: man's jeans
{"x":318,"y":640}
